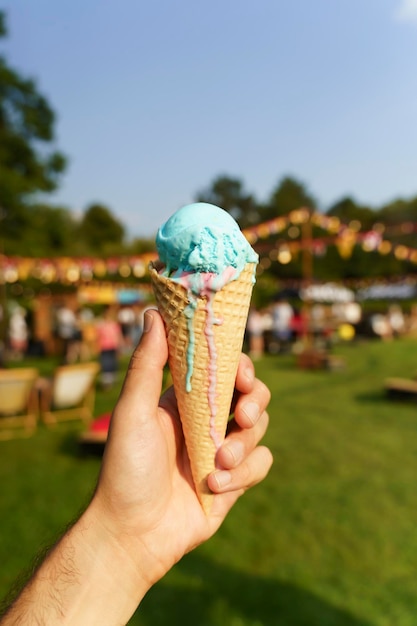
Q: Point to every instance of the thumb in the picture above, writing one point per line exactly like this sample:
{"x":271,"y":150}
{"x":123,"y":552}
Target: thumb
{"x":143,"y":383}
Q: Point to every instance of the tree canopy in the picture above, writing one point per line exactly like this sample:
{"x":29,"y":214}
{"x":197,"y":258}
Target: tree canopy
{"x":229,"y":194}
{"x":98,"y":228}
{"x":289,"y":195}
{"x":26,"y":128}
{"x":397,"y":219}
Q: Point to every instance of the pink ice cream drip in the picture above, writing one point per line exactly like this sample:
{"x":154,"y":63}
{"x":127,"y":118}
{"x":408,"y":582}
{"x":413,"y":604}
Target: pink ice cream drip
{"x":205,"y":285}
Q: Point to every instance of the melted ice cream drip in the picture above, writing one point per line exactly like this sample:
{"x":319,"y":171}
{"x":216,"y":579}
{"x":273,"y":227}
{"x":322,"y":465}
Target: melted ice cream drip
{"x":204,"y":285}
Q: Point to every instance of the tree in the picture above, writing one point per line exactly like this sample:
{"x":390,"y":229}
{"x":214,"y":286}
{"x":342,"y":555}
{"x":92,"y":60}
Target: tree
{"x":26,"y":122}
{"x":100,"y":230}
{"x":50,"y":231}
{"x":229,"y":194}
{"x":288,"y":195}
{"x":347,"y":210}
{"x":141,"y":245}
{"x":399,"y":212}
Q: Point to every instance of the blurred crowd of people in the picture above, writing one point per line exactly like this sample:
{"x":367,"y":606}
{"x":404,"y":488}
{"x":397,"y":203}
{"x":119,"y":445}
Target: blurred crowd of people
{"x":280,"y":326}
{"x":83,"y":334}
{"x":80,"y":334}
{"x":106,"y":332}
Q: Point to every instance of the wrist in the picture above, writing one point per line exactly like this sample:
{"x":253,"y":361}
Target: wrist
{"x":85,"y":579}
{"x":136,"y":551}
{"x":118,"y":575}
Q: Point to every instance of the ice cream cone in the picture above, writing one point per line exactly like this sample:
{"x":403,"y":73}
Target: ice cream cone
{"x":205,"y":408}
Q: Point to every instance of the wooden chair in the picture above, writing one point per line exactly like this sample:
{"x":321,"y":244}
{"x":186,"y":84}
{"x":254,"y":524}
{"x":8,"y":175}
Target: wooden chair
{"x":18,"y":402}
{"x":71,"y":394}
{"x":401,"y":388}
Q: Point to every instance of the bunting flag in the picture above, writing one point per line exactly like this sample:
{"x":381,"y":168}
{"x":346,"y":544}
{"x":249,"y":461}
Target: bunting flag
{"x":74,"y":270}
{"x":344,"y":236}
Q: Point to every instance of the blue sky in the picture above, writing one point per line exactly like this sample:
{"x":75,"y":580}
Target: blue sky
{"x":155,"y":99}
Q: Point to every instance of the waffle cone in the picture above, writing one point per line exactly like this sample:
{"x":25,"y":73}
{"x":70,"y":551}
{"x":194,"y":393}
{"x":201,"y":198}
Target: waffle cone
{"x":204,"y":433}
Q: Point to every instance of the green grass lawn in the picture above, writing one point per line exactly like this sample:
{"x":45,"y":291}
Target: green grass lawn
{"x":329,"y":539}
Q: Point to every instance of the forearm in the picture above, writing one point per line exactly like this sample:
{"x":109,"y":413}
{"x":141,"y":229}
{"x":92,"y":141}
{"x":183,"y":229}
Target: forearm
{"x":85,"y":579}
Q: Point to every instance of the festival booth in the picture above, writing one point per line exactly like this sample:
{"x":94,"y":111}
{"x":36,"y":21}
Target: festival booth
{"x":331,"y":311}
{"x":83,"y":301}
{"x":393,"y":321}
{"x":333,"y":308}
{"x":49,"y":284}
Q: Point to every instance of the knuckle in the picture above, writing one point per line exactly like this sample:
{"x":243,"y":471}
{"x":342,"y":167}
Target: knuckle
{"x":262,"y":425}
{"x":245,"y":473}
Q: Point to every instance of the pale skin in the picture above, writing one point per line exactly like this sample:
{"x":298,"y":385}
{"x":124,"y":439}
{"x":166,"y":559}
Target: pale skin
{"x":144,"y":515}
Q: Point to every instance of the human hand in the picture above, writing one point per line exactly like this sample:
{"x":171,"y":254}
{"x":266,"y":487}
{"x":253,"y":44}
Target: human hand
{"x":145,"y":498}
{"x":144,"y":515}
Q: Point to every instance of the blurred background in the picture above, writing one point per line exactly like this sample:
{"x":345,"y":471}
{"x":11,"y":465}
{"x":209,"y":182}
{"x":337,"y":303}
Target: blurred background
{"x":299,"y":119}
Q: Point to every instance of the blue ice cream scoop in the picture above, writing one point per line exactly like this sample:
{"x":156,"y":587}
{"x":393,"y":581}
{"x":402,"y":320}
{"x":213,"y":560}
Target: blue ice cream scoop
{"x":202,"y":238}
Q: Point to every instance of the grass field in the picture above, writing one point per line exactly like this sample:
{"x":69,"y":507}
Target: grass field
{"x":329,"y":539}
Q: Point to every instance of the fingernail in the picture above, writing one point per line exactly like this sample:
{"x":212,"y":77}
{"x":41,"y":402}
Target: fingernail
{"x":235,"y":450}
{"x":147,"y":321}
{"x":251,"y":410}
{"x":223,"y":478}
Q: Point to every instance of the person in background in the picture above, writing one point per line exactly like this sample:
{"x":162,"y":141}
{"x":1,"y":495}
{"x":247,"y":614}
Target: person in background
{"x":144,"y":514}
{"x":67,"y":331}
{"x":88,"y":334}
{"x":412,"y":322}
{"x":396,"y":320}
{"x":282,"y":314}
{"x":299,"y":325}
{"x":18,"y":333}
{"x":126,"y":319}
{"x":255,"y":330}
{"x":109,"y":343}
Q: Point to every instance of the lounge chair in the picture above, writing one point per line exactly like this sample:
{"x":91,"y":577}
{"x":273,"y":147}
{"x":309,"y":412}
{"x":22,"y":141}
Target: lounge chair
{"x":71,"y":394}
{"x":401,"y":388}
{"x":18,"y":402}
